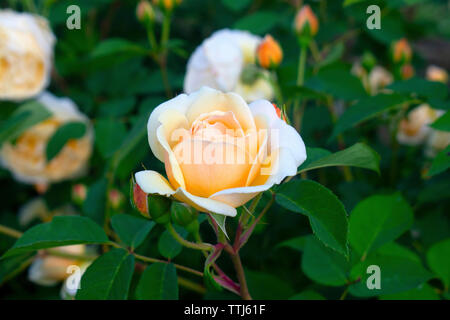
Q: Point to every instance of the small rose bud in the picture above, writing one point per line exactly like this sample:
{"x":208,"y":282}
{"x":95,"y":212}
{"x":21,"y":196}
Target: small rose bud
{"x":435,"y":73}
{"x":250,"y":74}
{"x":368,"y":61}
{"x":184,"y":216}
{"x":79,"y":192}
{"x":306,"y":22}
{"x":138,"y":199}
{"x":167,"y":4}
{"x":152,"y":206}
{"x":401,"y":51}
{"x":145,"y":12}
{"x":269,"y":53}
{"x":115,"y":198}
{"x":407,"y":71}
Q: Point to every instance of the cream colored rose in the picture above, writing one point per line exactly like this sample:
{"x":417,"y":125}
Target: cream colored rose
{"x":218,"y":151}
{"x":437,"y":141}
{"x":49,"y":270}
{"x":219,"y":62}
{"x":415,"y":129}
{"x":26,"y":158}
{"x":434,"y":73}
{"x":26,"y":54}
{"x":379,"y":78}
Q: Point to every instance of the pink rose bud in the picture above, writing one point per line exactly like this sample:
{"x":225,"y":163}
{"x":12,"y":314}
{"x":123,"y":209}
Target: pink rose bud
{"x":79,"y":192}
{"x":115,"y":198}
{"x":306,"y":22}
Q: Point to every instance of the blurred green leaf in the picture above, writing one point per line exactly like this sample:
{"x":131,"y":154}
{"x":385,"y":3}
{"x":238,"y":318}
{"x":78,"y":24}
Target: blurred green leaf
{"x":65,"y":133}
{"x":109,"y":134}
{"x":11,"y":266}
{"x":131,"y":230}
{"x":324,"y":265}
{"x":168,"y":246}
{"x":94,"y":205}
{"x":297,"y":243}
{"x":336,"y":80}
{"x":358,"y":155}
{"x":258,"y":22}
{"x":440,"y":163}
{"x":236,"y":5}
{"x":438,"y":258}
{"x":377,"y":220}
{"x":365,"y":109}
{"x":108,"y":277}
{"x":61,"y":231}
{"x":326,"y":213}
{"x":421,"y":88}
{"x":158,"y":282}
{"x":117,"y":107}
{"x":117,"y":46}
{"x":443,"y":122}
{"x":26,"y":116}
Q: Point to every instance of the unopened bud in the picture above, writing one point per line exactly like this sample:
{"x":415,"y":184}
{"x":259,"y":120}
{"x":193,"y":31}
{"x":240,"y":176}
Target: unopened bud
{"x":306,"y":23}
{"x":152,"y":206}
{"x":79,"y":193}
{"x":184,"y":216}
{"x":407,"y":71}
{"x":115,"y":198}
{"x":435,"y":73}
{"x":167,"y":4}
{"x":401,"y":51}
{"x":144,"y":11}
{"x":269,"y":53}
{"x":250,"y":74}
{"x":368,"y":61}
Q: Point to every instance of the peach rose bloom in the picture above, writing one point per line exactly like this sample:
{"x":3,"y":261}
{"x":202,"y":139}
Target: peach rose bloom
{"x":414,"y":130}
{"x":434,"y":73}
{"x":218,"y":151}
{"x":220,"y":61}
{"x":26,"y":159}
{"x":26,"y":54}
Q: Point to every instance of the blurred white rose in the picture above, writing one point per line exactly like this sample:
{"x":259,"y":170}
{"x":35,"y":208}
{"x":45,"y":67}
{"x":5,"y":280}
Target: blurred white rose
{"x":26,"y":158}
{"x":223,"y":60}
{"x":26,"y":54}
{"x":434,"y":73}
{"x":437,"y":141}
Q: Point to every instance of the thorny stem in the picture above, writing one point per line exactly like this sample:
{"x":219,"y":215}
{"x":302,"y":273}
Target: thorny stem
{"x":299,"y":110}
{"x":235,"y":258}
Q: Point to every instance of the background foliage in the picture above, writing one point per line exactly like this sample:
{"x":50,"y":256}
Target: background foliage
{"x":317,"y":239}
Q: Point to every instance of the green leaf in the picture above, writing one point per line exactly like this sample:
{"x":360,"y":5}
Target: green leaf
{"x":65,"y":133}
{"x":168,"y":246}
{"x":109,"y":133}
{"x":236,"y":5}
{"x":421,"y":88}
{"x":220,"y":220}
{"x":443,"y":122}
{"x":398,"y":274}
{"x":117,"y":107}
{"x":108,"y":277}
{"x":307,"y":295}
{"x":158,"y":282}
{"x":333,"y":55}
{"x":377,"y":220}
{"x":117,"y":46}
{"x":11,"y":266}
{"x":441,"y":162}
{"x":259,"y":22}
{"x":358,"y":155}
{"x":438,"y":259}
{"x":326,"y":213}
{"x":297,"y":243}
{"x":61,"y":231}
{"x":94,"y":205}
{"x":26,"y":116}
{"x":265,"y":286}
{"x":324,"y":265}
{"x":131,"y":230}
{"x":365,"y":109}
{"x":422,"y":292}
{"x":336,"y":79}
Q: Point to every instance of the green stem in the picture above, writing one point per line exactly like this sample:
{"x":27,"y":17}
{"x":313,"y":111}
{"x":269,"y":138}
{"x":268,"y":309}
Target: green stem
{"x":178,"y":266}
{"x":237,"y":263}
{"x":344,"y":294}
{"x":186,"y":243}
{"x":191,"y":285}
{"x":299,"y":111}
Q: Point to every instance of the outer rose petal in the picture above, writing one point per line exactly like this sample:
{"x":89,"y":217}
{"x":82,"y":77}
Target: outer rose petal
{"x":153,"y":182}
